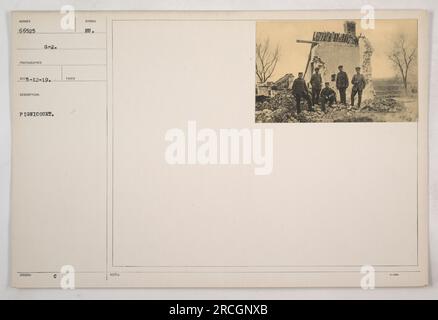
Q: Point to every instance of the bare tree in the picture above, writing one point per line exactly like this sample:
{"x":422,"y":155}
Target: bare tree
{"x":266,"y":60}
{"x":402,"y":56}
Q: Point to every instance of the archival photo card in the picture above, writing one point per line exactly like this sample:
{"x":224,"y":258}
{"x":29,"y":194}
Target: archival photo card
{"x":161,"y":149}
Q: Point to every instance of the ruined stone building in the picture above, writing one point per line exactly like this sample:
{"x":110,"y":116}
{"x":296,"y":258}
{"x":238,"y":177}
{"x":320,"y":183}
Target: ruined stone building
{"x":328,"y":50}
{"x":272,"y":88}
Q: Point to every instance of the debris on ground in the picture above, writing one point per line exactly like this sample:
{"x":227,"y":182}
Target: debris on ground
{"x":282,"y":108}
{"x":382,"y":104}
{"x":282,"y":99}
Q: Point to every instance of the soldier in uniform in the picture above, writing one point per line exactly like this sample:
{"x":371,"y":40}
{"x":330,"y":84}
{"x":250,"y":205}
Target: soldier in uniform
{"x":342,"y":84}
{"x":316,"y":82}
{"x":299,"y":90}
{"x":358,"y":83}
{"x":328,"y":95}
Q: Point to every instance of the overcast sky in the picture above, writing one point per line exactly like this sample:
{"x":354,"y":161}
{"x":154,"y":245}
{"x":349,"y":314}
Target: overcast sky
{"x":294,"y":55}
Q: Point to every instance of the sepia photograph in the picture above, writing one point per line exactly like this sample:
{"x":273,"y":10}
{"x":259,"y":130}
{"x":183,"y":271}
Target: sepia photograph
{"x":336,"y":71}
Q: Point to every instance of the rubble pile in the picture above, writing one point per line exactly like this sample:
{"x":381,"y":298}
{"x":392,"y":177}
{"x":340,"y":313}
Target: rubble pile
{"x":282,"y":108}
{"x":335,"y":113}
{"x":382,"y":104}
{"x":279,"y":108}
{"x":275,"y":116}
{"x":282,"y":99}
{"x":264,"y":116}
{"x":307,"y":116}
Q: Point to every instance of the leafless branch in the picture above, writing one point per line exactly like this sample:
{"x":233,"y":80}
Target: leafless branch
{"x":266,"y":60}
{"x":402,"y":55}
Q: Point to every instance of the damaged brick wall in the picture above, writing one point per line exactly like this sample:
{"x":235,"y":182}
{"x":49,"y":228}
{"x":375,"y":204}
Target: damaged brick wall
{"x":327,"y":56}
{"x":333,"y":50}
{"x":366,"y":52}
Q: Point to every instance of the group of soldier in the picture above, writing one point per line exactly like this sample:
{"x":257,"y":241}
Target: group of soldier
{"x":327,"y":95}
